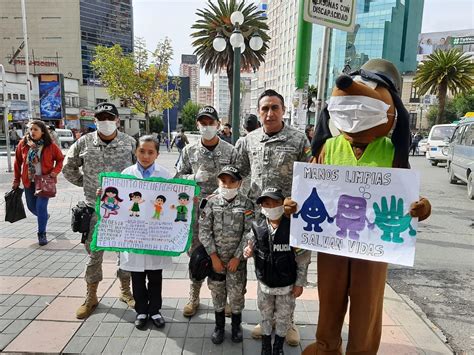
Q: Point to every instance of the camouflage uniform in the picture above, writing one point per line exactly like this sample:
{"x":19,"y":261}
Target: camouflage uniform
{"x":224,"y":229}
{"x":94,"y":156}
{"x":245,"y":186}
{"x":269,"y":159}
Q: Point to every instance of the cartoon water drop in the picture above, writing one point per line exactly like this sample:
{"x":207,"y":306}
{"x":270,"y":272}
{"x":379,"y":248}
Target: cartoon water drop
{"x":313,"y":212}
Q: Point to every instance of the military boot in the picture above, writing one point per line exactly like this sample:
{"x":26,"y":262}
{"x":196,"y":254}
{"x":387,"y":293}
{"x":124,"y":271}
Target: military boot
{"x":293,"y":335}
{"x":192,"y":306}
{"x":266,"y":345}
{"x":218,"y":334}
{"x":125,"y":293}
{"x":278,"y":345}
{"x":237,"y":335}
{"x":91,"y":301}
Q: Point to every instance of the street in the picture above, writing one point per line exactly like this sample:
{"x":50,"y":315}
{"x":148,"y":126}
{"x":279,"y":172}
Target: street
{"x":441,"y":281}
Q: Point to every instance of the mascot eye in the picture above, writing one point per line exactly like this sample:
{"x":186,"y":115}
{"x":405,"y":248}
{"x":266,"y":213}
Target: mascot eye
{"x":346,"y":205}
{"x":356,"y":207}
{"x":389,"y":217}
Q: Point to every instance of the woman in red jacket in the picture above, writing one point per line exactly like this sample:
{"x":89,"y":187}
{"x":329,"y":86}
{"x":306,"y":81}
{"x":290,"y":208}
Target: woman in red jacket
{"x":36,"y":154}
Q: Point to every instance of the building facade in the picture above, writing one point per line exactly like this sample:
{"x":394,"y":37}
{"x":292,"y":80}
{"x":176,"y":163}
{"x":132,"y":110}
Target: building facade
{"x":205,"y":96}
{"x":182,"y":84}
{"x":189,"y":67}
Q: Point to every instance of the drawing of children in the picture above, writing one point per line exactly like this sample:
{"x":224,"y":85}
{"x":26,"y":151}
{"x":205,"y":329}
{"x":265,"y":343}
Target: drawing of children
{"x":110,"y":201}
{"x":159,"y":202}
{"x":136,"y":198}
{"x":181,"y":210}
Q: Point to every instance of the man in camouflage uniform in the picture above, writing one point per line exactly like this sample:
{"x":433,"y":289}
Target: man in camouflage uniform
{"x":201,"y":161}
{"x":224,"y":229}
{"x":267,"y":155}
{"x":105,"y":150}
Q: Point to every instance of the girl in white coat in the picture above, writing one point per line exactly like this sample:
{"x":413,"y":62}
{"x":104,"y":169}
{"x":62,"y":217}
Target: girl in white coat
{"x":148,"y":298}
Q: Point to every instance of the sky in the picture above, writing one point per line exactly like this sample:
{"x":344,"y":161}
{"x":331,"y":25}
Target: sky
{"x":156,"y":19}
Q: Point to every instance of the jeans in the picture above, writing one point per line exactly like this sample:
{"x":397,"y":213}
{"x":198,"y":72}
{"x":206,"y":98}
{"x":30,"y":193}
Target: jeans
{"x":38,"y":206}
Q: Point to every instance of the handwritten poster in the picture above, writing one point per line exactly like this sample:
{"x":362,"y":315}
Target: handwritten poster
{"x":358,"y":212}
{"x":145,"y":216}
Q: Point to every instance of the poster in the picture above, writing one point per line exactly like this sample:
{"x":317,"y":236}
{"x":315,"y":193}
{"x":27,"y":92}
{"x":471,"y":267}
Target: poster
{"x":51,"y":96}
{"x":144,"y":216}
{"x":334,"y":14}
{"x":359,"y":212}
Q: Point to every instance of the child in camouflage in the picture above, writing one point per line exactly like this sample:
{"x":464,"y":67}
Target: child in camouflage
{"x":224,"y":227}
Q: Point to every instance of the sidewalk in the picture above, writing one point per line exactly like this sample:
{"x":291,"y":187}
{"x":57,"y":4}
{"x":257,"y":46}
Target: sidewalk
{"x":40,"y":289}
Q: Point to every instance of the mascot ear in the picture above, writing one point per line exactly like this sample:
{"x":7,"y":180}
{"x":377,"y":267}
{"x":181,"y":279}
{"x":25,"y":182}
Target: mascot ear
{"x":401,"y":134}
{"x":322,"y":132}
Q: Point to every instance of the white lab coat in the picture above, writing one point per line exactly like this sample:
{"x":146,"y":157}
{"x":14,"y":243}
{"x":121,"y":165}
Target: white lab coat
{"x":142,"y":262}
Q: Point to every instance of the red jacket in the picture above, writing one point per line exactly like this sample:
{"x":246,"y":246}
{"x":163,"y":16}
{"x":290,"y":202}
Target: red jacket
{"x":51,"y":161}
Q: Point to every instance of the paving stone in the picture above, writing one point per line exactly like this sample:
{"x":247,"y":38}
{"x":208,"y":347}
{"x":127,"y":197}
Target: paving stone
{"x":193,"y":346}
{"x":196,"y":331}
{"x":4,"y":309}
{"x":4,"y":323}
{"x":129,"y":316}
{"x":6,"y":339}
{"x":160,"y":332}
{"x":142,"y":333}
{"x":95,"y":345}
{"x":231,"y":348}
{"x":154,"y":346}
{"x":114,"y":315}
{"x":87,"y":329}
{"x":209,"y":348}
{"x":105,"y":330}
{"x":76,"y":345}
{"x":179,"y":330}
{"x":31,"y":313}
{"x":28,"y":300}
{"x":12,"y":300}
{"x":123,"y":330}
{"x":14,"y":312}
{"x":43,"y":301}
{"x":16,"y":326}
{"x":173,"y":346}
{"x":134,"y":345}
{"x":115,"y":345}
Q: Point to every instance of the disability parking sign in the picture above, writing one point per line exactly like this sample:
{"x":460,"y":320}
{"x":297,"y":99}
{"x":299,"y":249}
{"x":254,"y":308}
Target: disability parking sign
{"x":358,"y":212}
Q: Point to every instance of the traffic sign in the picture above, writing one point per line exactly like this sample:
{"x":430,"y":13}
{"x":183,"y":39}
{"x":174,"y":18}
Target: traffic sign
{"x":339,"y":14}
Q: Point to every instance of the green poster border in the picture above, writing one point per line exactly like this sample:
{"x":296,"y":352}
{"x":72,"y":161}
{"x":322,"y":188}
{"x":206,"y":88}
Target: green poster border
{"x":94,"y":246}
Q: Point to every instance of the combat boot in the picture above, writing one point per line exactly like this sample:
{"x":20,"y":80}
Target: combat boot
{"x":237,"y":335}
{"x":192,"y":306}
{"x":218,"y":334}
{"x":125,"y":293}
{"x":266,"y":345}
{"x":293,"y":335}
{"x":278,"y":345}
{"x":91,"y":301}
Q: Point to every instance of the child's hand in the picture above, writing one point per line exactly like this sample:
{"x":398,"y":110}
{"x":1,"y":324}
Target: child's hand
{"x":297,"y":291}
{"x":248,"y":250}
{"x":233,"y":264}
{"x":217,"y":264}
{"x":99,"y":192}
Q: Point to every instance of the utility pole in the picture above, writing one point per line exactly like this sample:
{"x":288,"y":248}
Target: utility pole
{"x":5,"y":118}
{"x":27,"y":58}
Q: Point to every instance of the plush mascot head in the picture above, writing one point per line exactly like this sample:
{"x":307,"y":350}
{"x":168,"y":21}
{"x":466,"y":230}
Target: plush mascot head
{"x":366,"y":105}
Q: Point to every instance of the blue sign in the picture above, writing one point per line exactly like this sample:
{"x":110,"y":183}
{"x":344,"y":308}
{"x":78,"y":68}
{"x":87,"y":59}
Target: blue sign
{"x":51,"y":100}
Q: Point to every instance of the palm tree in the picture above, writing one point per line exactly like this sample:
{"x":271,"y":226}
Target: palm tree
{"x":214,"y":20}
{"x":442,"y":71}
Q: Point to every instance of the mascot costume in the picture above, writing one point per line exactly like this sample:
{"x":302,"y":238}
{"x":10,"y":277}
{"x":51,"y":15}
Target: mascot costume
{"x":365,"y":106}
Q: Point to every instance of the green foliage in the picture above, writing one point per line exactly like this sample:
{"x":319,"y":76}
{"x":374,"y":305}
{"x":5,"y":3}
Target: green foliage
{"x":137,"y":78}
{"x":450,"y":114}
{"x":442,"y":71}
{"x":156,"y":124}
{"x":464,"y":103}
{"x":188,"y":115}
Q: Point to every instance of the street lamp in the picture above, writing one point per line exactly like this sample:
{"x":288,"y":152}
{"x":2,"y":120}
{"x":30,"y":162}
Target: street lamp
{"x":237,"y":41}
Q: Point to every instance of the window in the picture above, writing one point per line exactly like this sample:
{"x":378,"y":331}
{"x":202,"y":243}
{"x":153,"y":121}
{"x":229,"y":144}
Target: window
{"x":9,"y":96}
{"x":98,"y":101}
{"x":468,"y":138}
{"x":457,"y":134}
{"x":22,"y":97}
{"x":15,"y":96}
{"x":1,"y":97}
{"x":414,"y":94}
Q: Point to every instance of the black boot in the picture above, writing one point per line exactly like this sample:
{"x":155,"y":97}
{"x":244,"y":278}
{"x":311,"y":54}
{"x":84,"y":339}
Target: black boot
{"x":278,"y":345}
{"x":218,"y":334}
{"x":237,"y":335}
{"x":42,"y":240}
{"x":266,"y":345}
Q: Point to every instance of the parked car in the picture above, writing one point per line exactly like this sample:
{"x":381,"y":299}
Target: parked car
{"x":66,"y":137}
{"x":460,"y":155}
{"x":422,"y":146}
{"x":437,"y":140}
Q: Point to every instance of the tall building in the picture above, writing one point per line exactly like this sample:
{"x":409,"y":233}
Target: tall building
{"x":184,"y":96}
{"x":189,"y":67}
{"x":205,"y":96}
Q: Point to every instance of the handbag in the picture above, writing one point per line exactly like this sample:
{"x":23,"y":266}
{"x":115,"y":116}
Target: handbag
{"x":45,"y":186}
{"x":14,"y":210}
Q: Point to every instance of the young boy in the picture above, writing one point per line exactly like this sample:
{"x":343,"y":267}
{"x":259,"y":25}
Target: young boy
{"x":224,"y":228}
{"x":281,"y":270}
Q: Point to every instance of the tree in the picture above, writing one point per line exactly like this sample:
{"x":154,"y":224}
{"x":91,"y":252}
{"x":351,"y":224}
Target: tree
{"x":156,"y":124}
{"x":464,"y":103}
{"x":135,"y":78}
{"x":188,"y":115}
{"x":442,"y":71}
{"x":450,"y":114}
{"x":214,"y":20}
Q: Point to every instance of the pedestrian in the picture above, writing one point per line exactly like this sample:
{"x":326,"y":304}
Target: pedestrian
{"x":309,"y":131}
{"x":414,"y":144}
{"x":267,"y":156}
{"x":54,"y":135}
{"x":181,"y":141}
{"x":148,"y":298}
{"x":224,"y":228}
{"x":104,"y":150}
{"x":281,"y":270}
{"x":167,"y":143}
{"x":37,"y":155}
{"x":14,"y":137}
{"x":201,"y":161}
{"x":226,"y":133}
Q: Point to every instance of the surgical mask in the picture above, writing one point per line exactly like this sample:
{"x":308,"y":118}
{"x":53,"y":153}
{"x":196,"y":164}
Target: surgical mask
{"x":208,"y":132}
{"x":228,"y":194}
{"x":273,"y":213}
{"x":107,"y":128}
{"x":354,"y":114}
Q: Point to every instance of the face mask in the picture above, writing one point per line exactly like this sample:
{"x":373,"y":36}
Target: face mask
{"x":228,"y":194}
{"x":208,"y":132}
{"x":273,"y":213}
{"x":107,"y":128}
{"x":354,"y":114}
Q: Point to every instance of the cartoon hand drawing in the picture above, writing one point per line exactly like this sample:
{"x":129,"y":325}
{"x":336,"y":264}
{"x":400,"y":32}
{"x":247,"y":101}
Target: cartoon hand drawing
{"x":392,"y":221}
{"x":181,"y":210}
{"x":110,"y":201}
{"x":350,"y":217}
{"x":136,"y":198}
{"x":159,"y":202}
{"x":313,"y":212}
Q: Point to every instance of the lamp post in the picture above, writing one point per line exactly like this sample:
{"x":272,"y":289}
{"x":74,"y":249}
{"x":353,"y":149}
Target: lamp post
{"x":237,"y":41}
{"x":5,"y":118}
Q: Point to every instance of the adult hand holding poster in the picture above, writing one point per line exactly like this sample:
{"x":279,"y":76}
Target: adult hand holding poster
{"x":358,"y":212}
{"x":144,"y":216}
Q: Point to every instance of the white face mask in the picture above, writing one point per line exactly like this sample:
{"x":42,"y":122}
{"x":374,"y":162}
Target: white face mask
{"x":354,"y":114}
{"x":107,"y":128}
{"x":228,"y":194}
{"x":208,"y":132}
{"x":273,"y":213}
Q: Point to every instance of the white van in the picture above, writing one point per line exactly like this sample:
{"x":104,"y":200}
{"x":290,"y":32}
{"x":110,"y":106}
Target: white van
{"x":66,"y":137}
{"x":438,"y":139}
